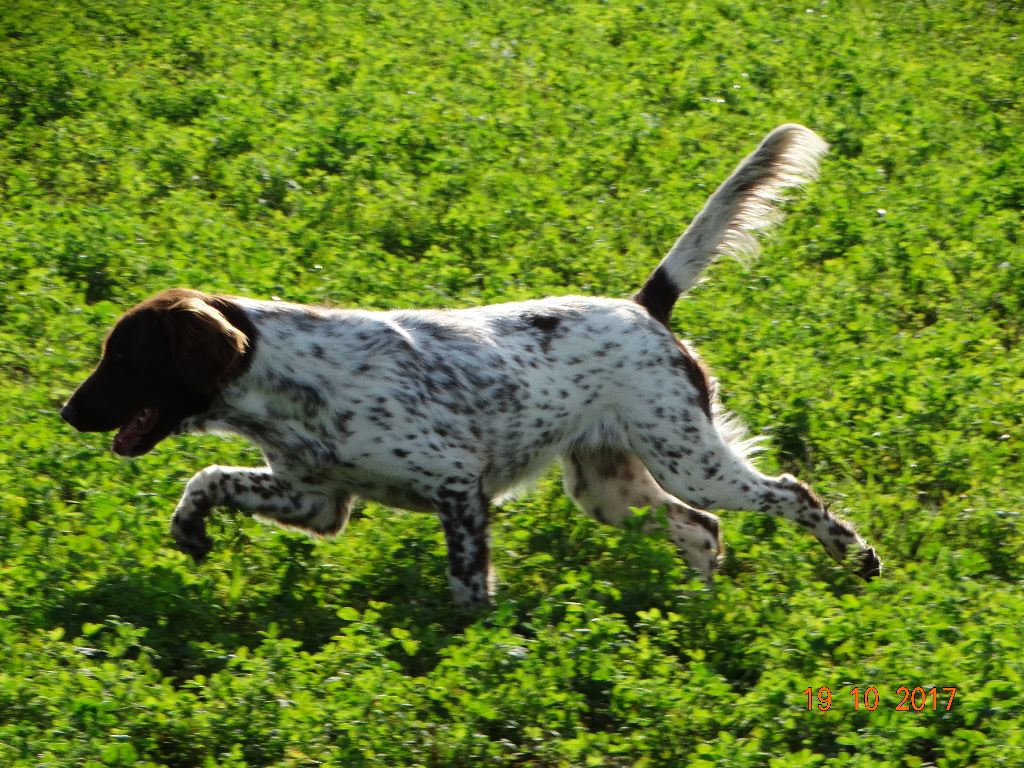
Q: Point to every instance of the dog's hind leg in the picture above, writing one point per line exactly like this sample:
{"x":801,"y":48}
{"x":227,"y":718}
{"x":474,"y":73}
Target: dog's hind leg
{"x":710,"y":470}
{"x":607,"y":482}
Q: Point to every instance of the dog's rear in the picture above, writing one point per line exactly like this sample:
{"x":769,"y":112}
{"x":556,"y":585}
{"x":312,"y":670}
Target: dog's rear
{"x":680,"y":442}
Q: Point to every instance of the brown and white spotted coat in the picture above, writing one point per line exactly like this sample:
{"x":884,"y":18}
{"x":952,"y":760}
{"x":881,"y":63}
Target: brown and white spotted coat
{"x":449,"y":410}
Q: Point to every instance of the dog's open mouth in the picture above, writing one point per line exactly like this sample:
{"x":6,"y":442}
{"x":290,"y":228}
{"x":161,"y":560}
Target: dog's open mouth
{"x":132,"y":438}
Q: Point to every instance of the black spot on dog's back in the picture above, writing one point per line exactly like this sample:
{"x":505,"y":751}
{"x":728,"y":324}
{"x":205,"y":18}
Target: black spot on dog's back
{"x":545,"y":323}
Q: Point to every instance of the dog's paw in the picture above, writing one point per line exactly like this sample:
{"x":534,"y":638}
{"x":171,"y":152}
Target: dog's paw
{"x":474,"y":594}
{"x":867,"y":564}
{"x":698,"y":536}
{"x":189,"y":533}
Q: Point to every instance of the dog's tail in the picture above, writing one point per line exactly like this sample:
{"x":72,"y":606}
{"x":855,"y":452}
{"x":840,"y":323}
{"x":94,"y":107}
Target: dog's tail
{"x":745,"y":204}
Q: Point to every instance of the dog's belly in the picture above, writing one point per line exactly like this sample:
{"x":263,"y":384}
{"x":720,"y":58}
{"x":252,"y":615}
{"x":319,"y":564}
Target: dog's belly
{"x":392,"y":493}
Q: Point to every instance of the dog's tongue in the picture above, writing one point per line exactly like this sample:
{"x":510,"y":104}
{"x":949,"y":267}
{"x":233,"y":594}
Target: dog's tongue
{"x":127,"y":438}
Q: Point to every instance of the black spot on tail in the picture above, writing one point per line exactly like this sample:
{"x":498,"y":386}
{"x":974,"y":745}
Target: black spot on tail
{"x":658,"y":295}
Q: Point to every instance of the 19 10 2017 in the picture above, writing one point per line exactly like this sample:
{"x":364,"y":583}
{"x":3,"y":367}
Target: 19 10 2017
{"x":908,"y":699}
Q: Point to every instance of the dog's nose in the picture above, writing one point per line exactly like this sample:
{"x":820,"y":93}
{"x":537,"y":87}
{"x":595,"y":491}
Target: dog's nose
{"x":68,"y":413}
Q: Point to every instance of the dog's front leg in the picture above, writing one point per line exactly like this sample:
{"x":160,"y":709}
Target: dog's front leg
{"x":253,"y":491}
{"x":464,"y":519}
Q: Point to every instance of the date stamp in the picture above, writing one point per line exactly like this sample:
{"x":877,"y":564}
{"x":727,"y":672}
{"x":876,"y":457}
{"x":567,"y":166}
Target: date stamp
{"x":907,"y":699}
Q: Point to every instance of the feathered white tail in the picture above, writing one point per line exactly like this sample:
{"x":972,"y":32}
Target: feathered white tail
{"x":745,"y":204}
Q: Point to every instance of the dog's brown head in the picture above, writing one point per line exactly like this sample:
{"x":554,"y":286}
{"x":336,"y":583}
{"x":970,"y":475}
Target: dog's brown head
{"x":163,"y":361}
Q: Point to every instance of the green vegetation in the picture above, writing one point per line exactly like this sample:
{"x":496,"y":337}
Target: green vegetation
{"x":402,"y":154}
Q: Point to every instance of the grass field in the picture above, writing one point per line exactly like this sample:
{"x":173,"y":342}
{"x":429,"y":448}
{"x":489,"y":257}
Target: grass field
{"x":449,"y":153}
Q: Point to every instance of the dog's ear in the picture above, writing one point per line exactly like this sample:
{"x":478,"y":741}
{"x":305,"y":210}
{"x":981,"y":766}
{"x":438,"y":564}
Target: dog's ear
{"x":207,"y":349}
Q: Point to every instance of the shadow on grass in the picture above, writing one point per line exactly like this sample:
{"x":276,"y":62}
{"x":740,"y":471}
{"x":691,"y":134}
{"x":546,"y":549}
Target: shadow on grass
{"x":192,"y":624}
{"x":188,"y":629}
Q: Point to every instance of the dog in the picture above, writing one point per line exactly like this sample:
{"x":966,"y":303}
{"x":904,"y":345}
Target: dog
{"x":448,"y":410}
